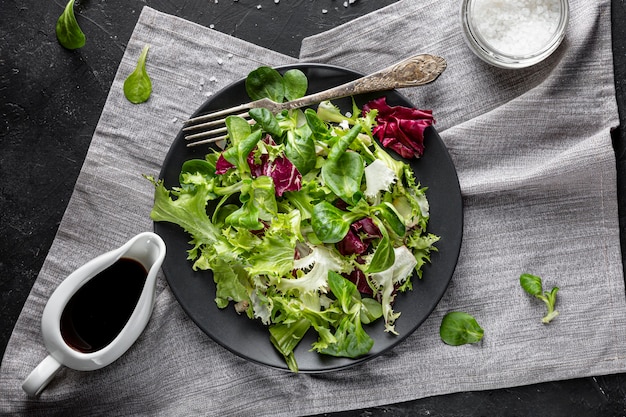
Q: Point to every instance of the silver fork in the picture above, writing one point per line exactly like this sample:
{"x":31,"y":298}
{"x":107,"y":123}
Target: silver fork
{"x":411,"y":72}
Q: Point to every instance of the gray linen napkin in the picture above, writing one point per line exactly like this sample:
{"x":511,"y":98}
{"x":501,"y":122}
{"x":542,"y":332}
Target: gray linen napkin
{"x":537,"y":171}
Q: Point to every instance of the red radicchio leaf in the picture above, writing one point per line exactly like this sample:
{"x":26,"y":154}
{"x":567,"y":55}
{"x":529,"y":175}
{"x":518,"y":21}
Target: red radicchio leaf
{"x":340,"y":204}
{"x":222,"y":165}
{"x":367,"y":225}
{"x":400,"y":128}
{"x":358,"y":278}
{"x":351,"y":244}
{"x":283,"y":173}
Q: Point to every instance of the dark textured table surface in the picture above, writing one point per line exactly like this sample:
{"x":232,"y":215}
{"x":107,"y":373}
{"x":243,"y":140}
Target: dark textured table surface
{"x":51,"y":99}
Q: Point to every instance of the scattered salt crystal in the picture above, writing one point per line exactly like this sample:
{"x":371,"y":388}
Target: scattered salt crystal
{"x":213,"y":79}
{"x":516,"y":27}
{"x":230,"y":56}
{"x":220,"y":61}
{"x":212,"y":26}
{"x":259,"y":7}
{"x":276,"y":1}
{"x":345,"y":4}
{"x":352,"y":1}
{"x":324,"y":11}
{"x":175,"y":119}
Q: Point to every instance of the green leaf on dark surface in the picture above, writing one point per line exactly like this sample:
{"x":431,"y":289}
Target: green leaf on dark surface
{"x":68,"y":32}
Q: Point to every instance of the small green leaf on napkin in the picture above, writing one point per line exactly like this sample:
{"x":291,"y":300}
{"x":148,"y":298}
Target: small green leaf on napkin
{"x":138,"y":87}
{"x":68,"y":32}
{"x":458,"y":328}
{"x":533,"y":286}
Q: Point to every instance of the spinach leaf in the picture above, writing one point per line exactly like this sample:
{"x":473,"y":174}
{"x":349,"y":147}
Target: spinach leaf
{"x":300,"y":148}
{"x":295,"y":84}
{"x":318,"y":128}
{"x":267,"y":121}
{"x":197,"y":166}
{"x":458,"y":328}
{"x":68,"y":32}
{"x":532,"y":285}
{"x":331,"y":224}
{"x":390,"y":218}
{"x":238,"y":130}
{"x":371,"y":310}
{"x":342,"y":145}
{"x":384,"y":256}
{"x":138,"y":86}
{"x":246,"y":146}
{"x":343,"y":171}
{"x":243,"y":141}
{"x":344,"y":176}
{"x":265,"y":82}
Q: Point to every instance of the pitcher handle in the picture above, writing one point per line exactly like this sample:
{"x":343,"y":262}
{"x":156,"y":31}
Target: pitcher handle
{"x":41,"y":376}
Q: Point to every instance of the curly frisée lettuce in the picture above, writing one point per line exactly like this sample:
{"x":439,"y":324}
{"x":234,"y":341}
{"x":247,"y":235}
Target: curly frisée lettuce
{"x":313,"y":226}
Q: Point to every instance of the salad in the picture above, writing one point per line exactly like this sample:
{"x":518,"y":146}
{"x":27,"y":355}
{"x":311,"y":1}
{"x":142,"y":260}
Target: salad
{"x":313,"y":225}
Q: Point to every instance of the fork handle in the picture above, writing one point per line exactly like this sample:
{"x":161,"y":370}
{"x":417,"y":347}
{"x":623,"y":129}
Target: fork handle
{"x":411,"y":72}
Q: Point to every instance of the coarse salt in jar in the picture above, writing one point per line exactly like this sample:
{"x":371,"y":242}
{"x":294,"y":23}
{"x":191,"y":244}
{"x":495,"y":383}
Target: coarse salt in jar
{"x":514,"y":33}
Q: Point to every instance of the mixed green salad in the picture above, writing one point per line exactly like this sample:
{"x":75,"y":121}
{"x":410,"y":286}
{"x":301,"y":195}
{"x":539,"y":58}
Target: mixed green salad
{"x":315,"y":225}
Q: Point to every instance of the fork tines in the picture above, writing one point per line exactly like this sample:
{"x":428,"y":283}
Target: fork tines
{"x":208,"y":136}
{"x":206,"y":122}
{"x":200,"y":124}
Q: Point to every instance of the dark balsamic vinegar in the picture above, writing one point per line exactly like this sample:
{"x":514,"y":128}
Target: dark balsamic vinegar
{"x":100,"y":309}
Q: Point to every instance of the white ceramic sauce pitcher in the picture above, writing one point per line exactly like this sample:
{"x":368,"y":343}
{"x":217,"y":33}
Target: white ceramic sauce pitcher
{"x":148,"y":249}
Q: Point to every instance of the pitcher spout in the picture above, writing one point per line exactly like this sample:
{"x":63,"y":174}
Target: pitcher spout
{"x":147,"y":248}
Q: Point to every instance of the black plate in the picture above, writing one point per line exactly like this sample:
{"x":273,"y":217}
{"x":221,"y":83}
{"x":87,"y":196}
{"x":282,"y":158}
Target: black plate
{"x":249,"y":339}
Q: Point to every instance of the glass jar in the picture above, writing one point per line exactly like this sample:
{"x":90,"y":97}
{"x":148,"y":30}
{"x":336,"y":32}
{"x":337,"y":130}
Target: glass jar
{"x":514,"y":33}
